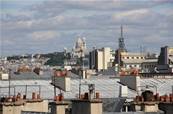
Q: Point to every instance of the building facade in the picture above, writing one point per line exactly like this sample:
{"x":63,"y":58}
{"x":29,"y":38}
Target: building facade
{"x":130,"y":60}
{"x":149,"y":65}
{"x":79,"y":48}
{"x":165,"y":60}
{"x":166,"y":56}
{"x":101,"y":59}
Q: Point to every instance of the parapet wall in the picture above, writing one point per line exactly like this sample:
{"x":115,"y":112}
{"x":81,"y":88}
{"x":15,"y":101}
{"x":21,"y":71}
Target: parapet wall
{"x":133,"y":82}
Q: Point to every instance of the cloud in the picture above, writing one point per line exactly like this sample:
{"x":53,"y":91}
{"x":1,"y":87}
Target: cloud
{"x":60,"y":22}
{"x":53,"y":7}
{"x":44,"y":35}
{"x":134,"y":14}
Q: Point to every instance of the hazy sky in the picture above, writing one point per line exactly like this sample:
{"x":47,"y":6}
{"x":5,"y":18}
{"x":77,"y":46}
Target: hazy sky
{"x":41,"y":26}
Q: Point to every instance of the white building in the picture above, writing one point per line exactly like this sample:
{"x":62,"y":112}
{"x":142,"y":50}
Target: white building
{"x":79,"y":48}
{"x":101,"y":59}
{"x":144,"y":62}
{"x":132,"y":60}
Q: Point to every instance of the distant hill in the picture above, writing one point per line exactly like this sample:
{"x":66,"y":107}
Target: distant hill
{"x":54,"y":59}
{"x":18,"y":57}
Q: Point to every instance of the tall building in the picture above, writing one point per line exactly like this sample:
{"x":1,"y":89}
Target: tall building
{"x":166,"y":56}
{"x":165,"y":60}
{"x":100,"y":59}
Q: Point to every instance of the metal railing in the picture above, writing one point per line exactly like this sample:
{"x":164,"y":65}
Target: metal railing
{"x":14,"y":89}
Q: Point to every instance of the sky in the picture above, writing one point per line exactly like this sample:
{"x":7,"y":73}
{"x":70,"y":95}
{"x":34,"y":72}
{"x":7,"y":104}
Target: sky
{"x":42,"y":26}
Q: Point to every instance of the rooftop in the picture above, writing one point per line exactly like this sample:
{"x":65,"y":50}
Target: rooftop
{"x":107,"y":87}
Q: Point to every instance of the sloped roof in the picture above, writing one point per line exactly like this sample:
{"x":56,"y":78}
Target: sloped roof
{"x":107,"y":87}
